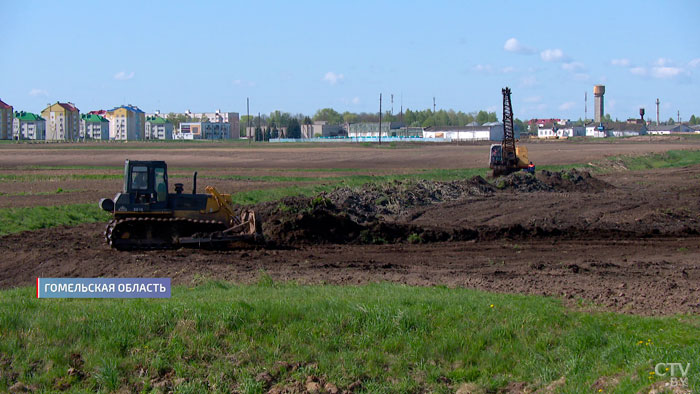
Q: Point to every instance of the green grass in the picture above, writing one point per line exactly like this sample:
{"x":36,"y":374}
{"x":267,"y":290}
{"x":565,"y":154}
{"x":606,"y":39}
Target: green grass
{"x":393,"y":338}
{"x":30,"y":193}
{"x":61,"y":177}
{"x":669,"y":159}
{"x":13,"y":220}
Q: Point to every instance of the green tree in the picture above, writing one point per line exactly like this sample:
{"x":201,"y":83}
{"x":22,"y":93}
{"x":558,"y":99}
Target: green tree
{"x":519,"y":125}
{"x":533,"y":128}
{"x":671,"y":121}
{"x":693,"y":121}
{"x":482,"y":117}
{"x":607,"y":118}
{"x":349,"y":117}
{"x":428,"y":122}
{"x":259,"y":134}
{"x":294,"y":129}
{"x":330,"y":115}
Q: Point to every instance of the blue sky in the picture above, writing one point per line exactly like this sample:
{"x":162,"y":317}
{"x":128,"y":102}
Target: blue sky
{"x":304,"y":55}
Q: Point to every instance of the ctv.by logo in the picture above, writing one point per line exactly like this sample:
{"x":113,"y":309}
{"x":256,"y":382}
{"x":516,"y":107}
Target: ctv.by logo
{"x":676,"y":371}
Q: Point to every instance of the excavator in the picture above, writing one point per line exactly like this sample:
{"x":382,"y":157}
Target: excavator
{"x":146,"y":216}
{"x":505,"y":157}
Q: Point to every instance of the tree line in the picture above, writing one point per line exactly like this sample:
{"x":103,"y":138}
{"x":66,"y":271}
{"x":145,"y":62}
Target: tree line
{"x":424,"y":118}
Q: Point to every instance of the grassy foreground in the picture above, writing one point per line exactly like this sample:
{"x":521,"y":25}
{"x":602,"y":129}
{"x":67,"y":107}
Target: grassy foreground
{"x":375,"y":338}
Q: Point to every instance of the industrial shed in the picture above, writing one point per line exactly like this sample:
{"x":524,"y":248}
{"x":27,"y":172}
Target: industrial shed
{"x":486,"y":132}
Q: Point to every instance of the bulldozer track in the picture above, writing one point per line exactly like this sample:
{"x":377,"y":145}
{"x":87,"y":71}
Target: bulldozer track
{"x":147,"y":233}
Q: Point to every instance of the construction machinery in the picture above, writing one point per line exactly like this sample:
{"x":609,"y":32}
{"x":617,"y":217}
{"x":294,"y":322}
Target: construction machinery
{"x":506,"y":157}
{"x":147,"y":216}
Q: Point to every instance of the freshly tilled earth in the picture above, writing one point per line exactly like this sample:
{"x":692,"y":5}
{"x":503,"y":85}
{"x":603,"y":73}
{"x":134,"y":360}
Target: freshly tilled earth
{"x":625,"y":242}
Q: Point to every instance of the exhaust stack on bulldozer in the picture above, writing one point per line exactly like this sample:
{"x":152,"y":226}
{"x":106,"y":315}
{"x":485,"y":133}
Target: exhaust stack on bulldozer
{"x":147,"y":216}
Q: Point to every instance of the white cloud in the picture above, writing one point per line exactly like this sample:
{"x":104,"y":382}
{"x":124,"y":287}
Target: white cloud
{"x":38,"y":92}
{"x":552,"y":55}
{"x":582,"y":77}
{"x":333,"y":78}
{"x":356,"y":100}
{"x":123,"y":76}
{"x":489,"y":69}
{"x":528,"y":81}
{"x":573,"y":66}
{"x":240,"y":82}
{"x":664,"y":72}
{"x":532,"y":99}
{"x":661,"y":62}
{"x":567,"y":106}
{"x":694,"y":63}
{"x":485,"y":68}
{"x":638,"y":71}
{"x":513,"y":45}
{"x":621,"y":62}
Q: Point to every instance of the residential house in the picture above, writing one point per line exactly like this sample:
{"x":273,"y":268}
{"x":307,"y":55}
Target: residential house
{"x":126,"y":123}
{"x":6,"y":120}
{"x":158,"y":128}
{"x":94,"y":127}
{"x":62,"y":121}
{"x":28,"y":126}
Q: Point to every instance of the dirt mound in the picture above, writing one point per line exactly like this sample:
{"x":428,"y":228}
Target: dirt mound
{"x":562,"y":181}
{"x":394,"y":199}
{"x":381,"y":213}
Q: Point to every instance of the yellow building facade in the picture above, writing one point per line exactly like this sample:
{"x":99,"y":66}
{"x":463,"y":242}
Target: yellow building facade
{"x":126,"y":123}
{"x":62,"y":122}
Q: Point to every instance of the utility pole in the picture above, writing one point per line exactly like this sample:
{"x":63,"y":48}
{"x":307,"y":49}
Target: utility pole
{"x":679,"y":117}
{"x":585,"y":107}
{"x":401,"y":116}
{"x":380,"y":118}
{"x":247,"y":129}
{"x":433,"y":105}
{"x":392,"y":104}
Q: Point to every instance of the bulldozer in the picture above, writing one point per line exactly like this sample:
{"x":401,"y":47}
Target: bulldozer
{"x":145,"y":215}
{"x":506,"y":157}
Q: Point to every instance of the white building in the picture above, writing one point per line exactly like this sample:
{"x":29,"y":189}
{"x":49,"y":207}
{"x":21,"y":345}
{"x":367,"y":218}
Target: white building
{"x":94,"y":127}
{"x":551,"y":130}
{"x":158,"y":128}
{"x":230,"y":118}
{"x":28,"y":126}
{"x":203,"y":131}
{"x":487,"y":132}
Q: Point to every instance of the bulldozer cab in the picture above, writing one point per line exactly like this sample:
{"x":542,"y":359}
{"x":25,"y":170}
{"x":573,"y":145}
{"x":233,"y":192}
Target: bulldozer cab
{"x":146,"y":182}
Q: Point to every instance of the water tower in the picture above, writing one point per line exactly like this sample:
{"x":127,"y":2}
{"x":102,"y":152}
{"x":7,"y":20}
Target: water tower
{"x":598,"y":92}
